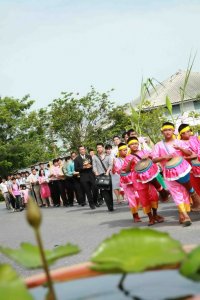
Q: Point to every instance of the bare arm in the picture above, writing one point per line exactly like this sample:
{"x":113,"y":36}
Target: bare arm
{"x":128,"y":167}
{"x":185,"y":151}
{"x":161,"y":158}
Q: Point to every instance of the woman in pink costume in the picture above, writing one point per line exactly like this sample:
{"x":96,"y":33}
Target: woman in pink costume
{"x":44,"y":188}
{"x":194,"y":144}
{"x":147,"y":193}
{"x":126,"y":181}
{"x":177,"y":178}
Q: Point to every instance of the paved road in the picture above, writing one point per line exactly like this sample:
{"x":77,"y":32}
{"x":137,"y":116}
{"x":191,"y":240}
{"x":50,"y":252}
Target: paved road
{"x":86,"y":228}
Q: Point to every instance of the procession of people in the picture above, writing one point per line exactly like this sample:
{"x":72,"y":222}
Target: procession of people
{"x":130,"y":169}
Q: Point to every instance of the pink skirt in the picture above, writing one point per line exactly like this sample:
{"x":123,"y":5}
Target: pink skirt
{"x":44,"y":190}
{"x":126,"y":178}
{"x":148,"y":174}
{"x":26,"y":196}
{"x":177,"y":172}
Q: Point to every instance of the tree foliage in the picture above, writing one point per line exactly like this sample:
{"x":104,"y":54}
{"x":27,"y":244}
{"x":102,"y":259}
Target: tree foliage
{"x":119,"y":121}
{"x":22,"y":135}
{"x":80,"y":120}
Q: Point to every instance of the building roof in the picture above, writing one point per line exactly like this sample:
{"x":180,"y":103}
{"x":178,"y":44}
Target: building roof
{"x":171,"y":87}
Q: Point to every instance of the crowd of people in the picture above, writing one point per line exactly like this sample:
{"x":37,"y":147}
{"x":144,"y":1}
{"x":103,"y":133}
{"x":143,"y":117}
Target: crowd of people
{"x":132,"y":169}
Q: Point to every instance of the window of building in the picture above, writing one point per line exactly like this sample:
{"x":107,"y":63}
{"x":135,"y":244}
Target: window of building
{"x":176,"y":109}
{"x":197,"y":105}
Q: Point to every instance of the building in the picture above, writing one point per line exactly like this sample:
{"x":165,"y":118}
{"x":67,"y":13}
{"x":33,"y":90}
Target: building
{"x":171,"y":87}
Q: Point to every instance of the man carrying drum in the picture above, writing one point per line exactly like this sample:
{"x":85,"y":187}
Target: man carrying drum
{"x":176,"y":170}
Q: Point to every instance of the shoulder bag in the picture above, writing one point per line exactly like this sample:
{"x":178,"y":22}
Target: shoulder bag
{"x":103,"y":182}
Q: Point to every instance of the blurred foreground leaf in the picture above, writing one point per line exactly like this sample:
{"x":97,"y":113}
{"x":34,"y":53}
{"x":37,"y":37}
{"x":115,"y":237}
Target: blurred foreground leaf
{"x":191,"y":266}
{"x":11,"y":285}
{"x":28,"y":255}
{"x":169,"y":104}
{"x":136,"y":250}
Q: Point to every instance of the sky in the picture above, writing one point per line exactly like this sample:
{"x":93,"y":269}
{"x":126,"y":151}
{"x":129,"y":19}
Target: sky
{"x":53,"y":46}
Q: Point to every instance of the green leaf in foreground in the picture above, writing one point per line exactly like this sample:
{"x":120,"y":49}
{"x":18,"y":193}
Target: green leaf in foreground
{"x":28,"y":255}
{"x":169,"y":104}
{"x":11,"y":285}
{"x":190,"y":268}
{"x":136,"y":250}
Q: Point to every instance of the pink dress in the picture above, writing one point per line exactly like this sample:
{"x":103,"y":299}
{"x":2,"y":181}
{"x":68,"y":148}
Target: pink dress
{"x":178,"y":191}
{"x":126,"y":184}
{"x":25,"y":194}
{"x":44,"y":187}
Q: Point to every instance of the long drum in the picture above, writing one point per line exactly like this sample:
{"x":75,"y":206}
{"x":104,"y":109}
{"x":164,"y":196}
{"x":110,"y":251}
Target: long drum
{"x":146,"y":170}
{"x":176,"y":168}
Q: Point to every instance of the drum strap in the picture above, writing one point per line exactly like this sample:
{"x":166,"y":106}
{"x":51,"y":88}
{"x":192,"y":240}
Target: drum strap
{"x":166,"y":148}
{"x":137,"y":156}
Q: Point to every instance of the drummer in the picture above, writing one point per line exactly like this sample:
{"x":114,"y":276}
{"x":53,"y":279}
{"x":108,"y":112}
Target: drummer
{"x":147,"y":193}
{"x":179,"y":186}
{"x":126,"y":181}
{"x":193,"y":143}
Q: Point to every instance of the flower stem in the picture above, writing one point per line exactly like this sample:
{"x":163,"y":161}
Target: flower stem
{"x":52,"y":295}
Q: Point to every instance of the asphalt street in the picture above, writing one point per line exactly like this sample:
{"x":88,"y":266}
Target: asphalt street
{"x":86,"y":228}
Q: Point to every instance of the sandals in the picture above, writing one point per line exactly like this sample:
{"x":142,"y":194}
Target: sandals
{"x":154,"y":219}
{"x":187,"y":222}
{"x":151,"y":222}
{"x":158,"y":219}
{"x":137,"y":220}
{"x":184,"y":220}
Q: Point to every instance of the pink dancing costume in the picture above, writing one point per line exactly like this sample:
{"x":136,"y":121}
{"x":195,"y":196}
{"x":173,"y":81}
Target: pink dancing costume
{"x":178,"y":171}
{"x":194,"y":144}
{"x":150,"y":172}
{"x":148,"y":196}
{"x":126,"y":185}
{"x":178,"y":192}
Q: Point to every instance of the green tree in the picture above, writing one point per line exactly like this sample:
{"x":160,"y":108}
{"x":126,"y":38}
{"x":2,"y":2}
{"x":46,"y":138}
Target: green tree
{"x":119,"y":121}
{"x":22,"y":134}
{"x":151,"y":121}
{"x":80,"y":120}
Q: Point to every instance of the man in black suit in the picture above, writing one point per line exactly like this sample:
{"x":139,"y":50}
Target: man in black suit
{"x":83,"y":165}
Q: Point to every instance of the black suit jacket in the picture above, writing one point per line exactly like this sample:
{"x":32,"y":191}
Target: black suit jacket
{"x":78,"y":165}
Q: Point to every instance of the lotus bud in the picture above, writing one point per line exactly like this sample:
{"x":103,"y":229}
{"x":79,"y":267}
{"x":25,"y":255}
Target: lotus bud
{"x":33,"y":214}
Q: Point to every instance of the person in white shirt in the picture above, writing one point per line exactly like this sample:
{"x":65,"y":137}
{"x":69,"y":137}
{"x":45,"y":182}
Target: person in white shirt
{"x":33,"y":179}
{"x":5,"y":193}
{"x":116,"y":142}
